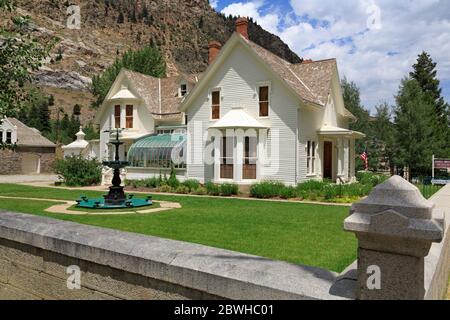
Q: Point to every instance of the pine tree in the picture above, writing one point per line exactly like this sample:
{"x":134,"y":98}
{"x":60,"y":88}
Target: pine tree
{"x":44,"y":117}
{"x":413,"y":130}
{"x":383,"y":133}
{"x":425,"y":73}
{"x":352,"y":102}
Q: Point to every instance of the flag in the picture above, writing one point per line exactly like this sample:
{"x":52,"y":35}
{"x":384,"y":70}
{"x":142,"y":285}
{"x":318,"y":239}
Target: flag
{"x":365,"y":158}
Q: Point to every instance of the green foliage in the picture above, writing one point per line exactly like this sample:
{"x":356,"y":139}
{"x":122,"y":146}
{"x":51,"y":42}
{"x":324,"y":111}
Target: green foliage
{"x":266,"y":189}
{"x":173,"y":181}
{"x":228,"y":189}
{"x":425,"y":73}
{"x":20,"y":53}
{"x":212,"y":189}
{"x":147,"y":60}
{"x":77,"y":171}
{"x":413,"y":128}
{"x":200,"y":191}
{"x":288,"y":192}
{"x":370,"y":178}
{"x":182,"y":189}
{"x":191,"y":184}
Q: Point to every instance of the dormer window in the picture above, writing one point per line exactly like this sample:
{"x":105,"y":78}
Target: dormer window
{"x":117,"y":116}
{"x":129,"y":116}
{"x":8,"y":137}
{"x":183,"y":89}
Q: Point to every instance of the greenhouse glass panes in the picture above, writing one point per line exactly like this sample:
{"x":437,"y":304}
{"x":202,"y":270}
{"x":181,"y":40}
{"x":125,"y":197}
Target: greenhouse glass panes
{"x":158,"y":151}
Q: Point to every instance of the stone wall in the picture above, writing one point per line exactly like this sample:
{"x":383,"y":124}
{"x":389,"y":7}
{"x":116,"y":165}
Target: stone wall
{"x":10,"y":162}
{"x":35,"y":252}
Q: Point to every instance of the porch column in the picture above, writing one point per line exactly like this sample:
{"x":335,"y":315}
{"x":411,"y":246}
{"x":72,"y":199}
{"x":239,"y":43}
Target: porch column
{"x":217,"y":157}
{"x":346,"y":160}
{"x":262,"y":137}
{"x":238,"y":155}
{"x":352,"y":160}
{"x":340,"y":157}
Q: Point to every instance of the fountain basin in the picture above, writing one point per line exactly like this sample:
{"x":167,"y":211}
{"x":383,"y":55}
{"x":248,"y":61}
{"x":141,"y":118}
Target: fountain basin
{"x":99,"y":203}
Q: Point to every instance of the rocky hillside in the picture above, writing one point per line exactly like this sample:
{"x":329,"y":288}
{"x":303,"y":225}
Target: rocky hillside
{"x":181,"y":28}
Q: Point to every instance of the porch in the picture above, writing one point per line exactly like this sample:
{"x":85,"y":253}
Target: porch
{"x":337,"y":153}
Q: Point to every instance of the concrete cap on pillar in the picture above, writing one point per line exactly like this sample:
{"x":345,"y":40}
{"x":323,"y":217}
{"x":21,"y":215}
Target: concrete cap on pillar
{"x":395,"y":209}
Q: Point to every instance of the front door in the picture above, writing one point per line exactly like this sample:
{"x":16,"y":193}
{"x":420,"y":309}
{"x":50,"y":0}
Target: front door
{"x":327,"y":159}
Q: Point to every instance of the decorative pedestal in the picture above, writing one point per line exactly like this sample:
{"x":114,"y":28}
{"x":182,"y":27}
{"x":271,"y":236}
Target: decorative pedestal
{"x":395,"y":230}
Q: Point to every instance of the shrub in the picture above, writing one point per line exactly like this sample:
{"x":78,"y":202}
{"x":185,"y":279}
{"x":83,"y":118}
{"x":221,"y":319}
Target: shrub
{"x":370,"y":178}
{"x":182,"y":189}
{"x":212,"y":189}
{"x":228,"y":189}
{"x":288,"y":192}
{"x":191,"y":184}
{"x":200,"y":191}
{"x":330,"y":191}
{"x":312,"y":185}
{"x":173,"y":181}
{"x":77,"y":171}
{"x":152,"y":182}
{"x":164,"y":188}
{"x":266,"y":189}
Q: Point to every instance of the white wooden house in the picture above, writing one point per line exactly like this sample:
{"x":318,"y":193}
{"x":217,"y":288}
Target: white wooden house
{"x":250,"y":116}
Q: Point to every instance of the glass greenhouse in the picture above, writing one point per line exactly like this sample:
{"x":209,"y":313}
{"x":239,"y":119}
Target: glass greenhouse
{"x":158,"y":151}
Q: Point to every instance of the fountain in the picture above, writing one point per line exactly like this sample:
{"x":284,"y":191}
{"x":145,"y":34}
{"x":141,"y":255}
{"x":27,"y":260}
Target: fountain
{"x":116,"y":197}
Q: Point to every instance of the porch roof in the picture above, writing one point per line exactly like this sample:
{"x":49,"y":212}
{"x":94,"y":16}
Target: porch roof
{"x":327,"y":130}
{"x":237,"y":118}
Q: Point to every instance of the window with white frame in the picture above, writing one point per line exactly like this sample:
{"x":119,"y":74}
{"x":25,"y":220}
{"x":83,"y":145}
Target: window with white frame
{"x":310,"y":157}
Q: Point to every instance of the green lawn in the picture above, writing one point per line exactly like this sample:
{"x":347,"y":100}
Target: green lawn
{"x":300,"y":233}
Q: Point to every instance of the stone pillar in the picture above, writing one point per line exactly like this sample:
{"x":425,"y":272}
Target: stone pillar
{"x":395,"y":230}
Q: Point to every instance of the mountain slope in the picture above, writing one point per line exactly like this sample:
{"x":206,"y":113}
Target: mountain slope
{"x":180,"y":28}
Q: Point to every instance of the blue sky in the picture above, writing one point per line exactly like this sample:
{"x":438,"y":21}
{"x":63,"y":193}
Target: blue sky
{"x":375,"y":41}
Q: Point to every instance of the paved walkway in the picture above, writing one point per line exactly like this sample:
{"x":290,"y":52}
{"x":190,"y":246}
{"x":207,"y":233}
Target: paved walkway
{"x":64,"y":207}
{"x":29,"y":178}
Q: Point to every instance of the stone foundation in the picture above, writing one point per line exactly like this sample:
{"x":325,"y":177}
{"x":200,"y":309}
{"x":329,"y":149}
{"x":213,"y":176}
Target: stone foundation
{"x":11,"y":161}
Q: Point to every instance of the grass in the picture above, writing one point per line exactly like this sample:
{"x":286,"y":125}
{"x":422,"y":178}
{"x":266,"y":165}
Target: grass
{"x":299,"y":233}
{"x":429,"y":189}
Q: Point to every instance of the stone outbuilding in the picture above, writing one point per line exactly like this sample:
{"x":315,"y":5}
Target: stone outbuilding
{"x":24,"y":150}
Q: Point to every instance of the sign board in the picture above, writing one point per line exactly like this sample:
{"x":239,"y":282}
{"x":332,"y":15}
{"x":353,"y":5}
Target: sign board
{"x":442,"y":163}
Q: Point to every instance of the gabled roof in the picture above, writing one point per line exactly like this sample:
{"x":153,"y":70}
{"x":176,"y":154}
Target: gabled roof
{"x":310,"y":81}
{"x":30,"y":137}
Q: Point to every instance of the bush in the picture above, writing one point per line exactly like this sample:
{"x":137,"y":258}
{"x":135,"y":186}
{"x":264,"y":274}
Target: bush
{"x":200,"y":191}
{"x":182,"y":189}
{"x":77,"y":171}
{"x":288,"y":192}
{"x":172,"y":181}
{"x":266,"y":189}
{"x":228,"y":189}
{"x":370,"y":178}
{"x":152,"y":182}
{"x":191,"y":184}
{"x":212,"y":189}
{"x":164,"y":188}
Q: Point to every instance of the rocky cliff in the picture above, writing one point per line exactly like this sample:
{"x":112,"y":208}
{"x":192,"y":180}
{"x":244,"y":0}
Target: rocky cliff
{"x":180,"y":28}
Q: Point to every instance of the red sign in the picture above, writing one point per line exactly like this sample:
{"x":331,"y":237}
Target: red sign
{"x":442,"y":163}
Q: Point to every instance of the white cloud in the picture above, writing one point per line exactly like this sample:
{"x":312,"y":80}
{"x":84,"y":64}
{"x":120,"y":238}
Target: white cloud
{"x":375,"y":58}
{"x":214,"y":3}
{"x":268,"y":21}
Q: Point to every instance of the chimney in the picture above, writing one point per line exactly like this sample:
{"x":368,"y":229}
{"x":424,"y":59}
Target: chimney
{"x":214,"y":49}
{"x":242,"y":26}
